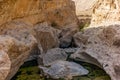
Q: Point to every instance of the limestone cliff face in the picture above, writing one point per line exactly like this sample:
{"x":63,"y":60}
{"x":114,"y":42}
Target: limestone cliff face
{"x":106,"y":11}
{"x":60,"y":12}
{"x":84,"y":7}
{"x":84,"y":10}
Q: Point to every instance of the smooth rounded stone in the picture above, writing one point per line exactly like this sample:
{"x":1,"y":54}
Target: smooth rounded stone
{"x":54,"y":55}
{"x":64,"y":69}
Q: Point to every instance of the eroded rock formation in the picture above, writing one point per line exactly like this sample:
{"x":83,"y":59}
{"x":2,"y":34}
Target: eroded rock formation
{"x":101,"y":45}
{"x":17,"y":21}
{"x":106,"y":12}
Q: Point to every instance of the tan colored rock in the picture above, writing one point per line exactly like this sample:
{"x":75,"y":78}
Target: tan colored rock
{"x":103,"y":45}
{"x":106,"y":12}
{"x":5,"y":65}
{"x":34,"y":11}
{"x":17,"y":42}
{"x":84,"y":9}
{"x":18,"y":53}
{"x":17,"y":20}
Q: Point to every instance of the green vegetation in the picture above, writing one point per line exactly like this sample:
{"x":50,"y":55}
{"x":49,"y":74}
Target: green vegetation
{"x":83,"y":25}
{"x":95,"y":73}
{"x":30,"y":71}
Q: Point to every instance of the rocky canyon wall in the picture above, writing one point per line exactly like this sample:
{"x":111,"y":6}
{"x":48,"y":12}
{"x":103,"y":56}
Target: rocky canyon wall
{"x":100,"y":43}
{"x":106,"y":12}
{"x":84,"y":10}
{"x":35,"y":11}
{"x":17,"y":20}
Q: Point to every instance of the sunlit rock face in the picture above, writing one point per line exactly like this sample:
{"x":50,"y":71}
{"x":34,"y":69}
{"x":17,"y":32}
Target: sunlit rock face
{"x":106,"y":12}
{"x":34,"y":11}
{"x":84,"y":8}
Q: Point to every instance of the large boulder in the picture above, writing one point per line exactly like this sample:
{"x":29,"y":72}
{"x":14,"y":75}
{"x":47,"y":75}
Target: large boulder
{"x":66,"y":35}
{"x":64,"y":69}
{"x":15,"y":52}
{"x":47,"y":37}
{"x":101,"y":45}
{"x":17,"y":42}
{"x":54,"y":55}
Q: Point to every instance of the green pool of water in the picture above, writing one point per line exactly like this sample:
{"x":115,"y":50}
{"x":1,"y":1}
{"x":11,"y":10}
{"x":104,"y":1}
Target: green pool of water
{"x":30,"y":71}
